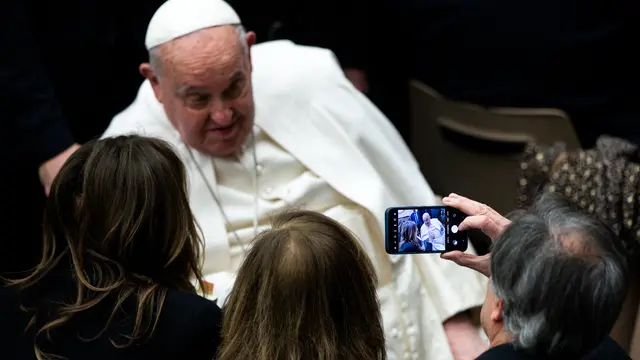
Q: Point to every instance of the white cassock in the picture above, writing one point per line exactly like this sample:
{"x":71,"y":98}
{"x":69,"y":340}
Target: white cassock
{"x":437,"y":230}
{"x":321,"y":145}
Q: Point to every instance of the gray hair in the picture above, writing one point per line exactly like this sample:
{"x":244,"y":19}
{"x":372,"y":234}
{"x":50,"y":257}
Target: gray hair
{"x":562,"y":276}
{"x":155,"y":58}
{"x":425,"y":215}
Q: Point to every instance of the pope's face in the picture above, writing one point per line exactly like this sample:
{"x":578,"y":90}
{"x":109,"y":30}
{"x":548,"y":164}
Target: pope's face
{"x":205,"y":88}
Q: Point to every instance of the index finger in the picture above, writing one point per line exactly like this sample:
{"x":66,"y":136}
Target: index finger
{"x":489,"y":225}
{"x":466,"y":205}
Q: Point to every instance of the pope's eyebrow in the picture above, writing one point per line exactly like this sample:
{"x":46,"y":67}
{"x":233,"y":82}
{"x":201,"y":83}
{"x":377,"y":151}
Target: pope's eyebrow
{"x":187,"y":89}
{"x":239,"y":75}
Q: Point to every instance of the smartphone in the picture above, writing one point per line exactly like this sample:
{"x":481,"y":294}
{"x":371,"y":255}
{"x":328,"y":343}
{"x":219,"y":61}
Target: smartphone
{"x":424,"y":230}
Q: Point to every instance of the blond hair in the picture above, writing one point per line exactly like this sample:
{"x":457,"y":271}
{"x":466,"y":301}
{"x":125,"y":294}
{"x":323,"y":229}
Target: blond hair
{"x":306,"y":290}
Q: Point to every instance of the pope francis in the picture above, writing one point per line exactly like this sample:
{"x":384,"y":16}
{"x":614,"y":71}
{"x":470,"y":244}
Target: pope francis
{"x":277,"y":125}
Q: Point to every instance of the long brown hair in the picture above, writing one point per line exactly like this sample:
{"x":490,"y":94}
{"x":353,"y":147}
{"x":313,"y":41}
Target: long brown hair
{"x":118,"y":222}
{"x":409,"y":232}
{"x":306,"y":290}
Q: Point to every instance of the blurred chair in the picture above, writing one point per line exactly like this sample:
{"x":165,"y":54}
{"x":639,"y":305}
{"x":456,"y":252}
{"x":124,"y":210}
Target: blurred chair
{"x":475,"y":151}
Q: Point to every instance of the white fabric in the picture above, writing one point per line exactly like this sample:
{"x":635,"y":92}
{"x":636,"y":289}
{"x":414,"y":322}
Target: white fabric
{"x":438,"y":231}
{"x":176,"y":18}
{"x":424,"y":233}
{"x":308,"y":107}
{"x":282,"y":182}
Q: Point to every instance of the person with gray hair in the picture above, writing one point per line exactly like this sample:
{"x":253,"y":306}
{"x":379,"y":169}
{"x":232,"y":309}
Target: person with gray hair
{"x":558,"y":281}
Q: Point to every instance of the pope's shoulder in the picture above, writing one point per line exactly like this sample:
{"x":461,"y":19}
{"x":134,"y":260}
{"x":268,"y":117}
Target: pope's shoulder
{"x":145,"y":116}
{"x":283,"y":66}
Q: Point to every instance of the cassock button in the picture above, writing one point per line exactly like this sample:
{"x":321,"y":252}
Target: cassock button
{"x":412,"y":330}
{"x":259,"y":168}
{"x":394,"y":333}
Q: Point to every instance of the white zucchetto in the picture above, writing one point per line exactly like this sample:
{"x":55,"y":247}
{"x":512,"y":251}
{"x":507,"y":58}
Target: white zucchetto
{"x":177,"y":18}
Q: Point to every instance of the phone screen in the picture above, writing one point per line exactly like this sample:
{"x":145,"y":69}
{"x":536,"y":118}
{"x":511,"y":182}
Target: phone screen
{"x":424,"y":230}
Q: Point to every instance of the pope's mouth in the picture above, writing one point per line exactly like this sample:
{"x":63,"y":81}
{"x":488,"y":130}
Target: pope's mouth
{"x":227,"y":131}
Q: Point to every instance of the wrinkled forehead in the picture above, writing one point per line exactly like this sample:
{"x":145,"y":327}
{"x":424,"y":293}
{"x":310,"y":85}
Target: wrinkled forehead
{"x":208,"y":54}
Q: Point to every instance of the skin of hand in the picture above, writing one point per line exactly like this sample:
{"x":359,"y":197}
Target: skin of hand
{"x":358,"y":78}
{"x":50,"y":168}
{"x":480,"y":216}
{"x":464,"y":338}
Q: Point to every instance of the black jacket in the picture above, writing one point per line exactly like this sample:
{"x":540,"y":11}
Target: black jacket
{"x":188,"y":328}
{"x":608,"y":350}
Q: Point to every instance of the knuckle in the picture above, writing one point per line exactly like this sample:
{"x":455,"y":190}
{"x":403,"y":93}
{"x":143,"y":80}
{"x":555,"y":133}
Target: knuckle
{"x":481,"y":209}
{"x":484,"y":220}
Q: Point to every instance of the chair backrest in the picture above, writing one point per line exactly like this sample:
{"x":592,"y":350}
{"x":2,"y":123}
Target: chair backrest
{"x":475,"y":151}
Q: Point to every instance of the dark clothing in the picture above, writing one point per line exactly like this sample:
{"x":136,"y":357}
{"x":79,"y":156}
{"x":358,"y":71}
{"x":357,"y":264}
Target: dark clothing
{"x":577,"y":56}
{"x":608,"y":350}
{"x":66,"y":69}
{"x":603,"y":180}
{"x":336,"y":25}
{"x":189,"y":328}
{"x":409,"y":247}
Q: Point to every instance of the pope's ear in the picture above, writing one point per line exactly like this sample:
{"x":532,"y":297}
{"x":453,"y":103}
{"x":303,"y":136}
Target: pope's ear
{"x":251,"y":38}
{"x":147,"y":71}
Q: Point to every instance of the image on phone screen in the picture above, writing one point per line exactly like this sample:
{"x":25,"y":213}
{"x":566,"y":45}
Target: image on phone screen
{"x":424,"y":230}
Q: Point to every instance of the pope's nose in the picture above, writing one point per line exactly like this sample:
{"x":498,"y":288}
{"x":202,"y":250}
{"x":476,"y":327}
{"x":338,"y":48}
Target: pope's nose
{"x":222,"y":117}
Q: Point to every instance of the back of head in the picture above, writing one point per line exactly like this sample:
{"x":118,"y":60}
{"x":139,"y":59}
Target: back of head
{"x":122,"y":203}
{"x":306,"y":290}
{"x":118,"y":220}
{"x":562,"y":276}
{"x":408,"y":231}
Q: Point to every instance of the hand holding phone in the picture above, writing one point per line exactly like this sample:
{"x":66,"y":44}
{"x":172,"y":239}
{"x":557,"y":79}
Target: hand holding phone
{"x":481,"y":217}
{"x":424,"y":230}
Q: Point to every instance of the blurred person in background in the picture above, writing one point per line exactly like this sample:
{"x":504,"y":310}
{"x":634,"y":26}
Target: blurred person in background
{"x":66,"y":68}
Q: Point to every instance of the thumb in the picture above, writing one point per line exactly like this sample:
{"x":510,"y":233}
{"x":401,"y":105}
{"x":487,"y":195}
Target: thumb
{"x":457,"y":257}
{"x":474,"y":262}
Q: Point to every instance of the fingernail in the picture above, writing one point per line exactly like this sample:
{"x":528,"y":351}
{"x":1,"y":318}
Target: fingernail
{"x":453,"y":194}
{"x":446,"y":200}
